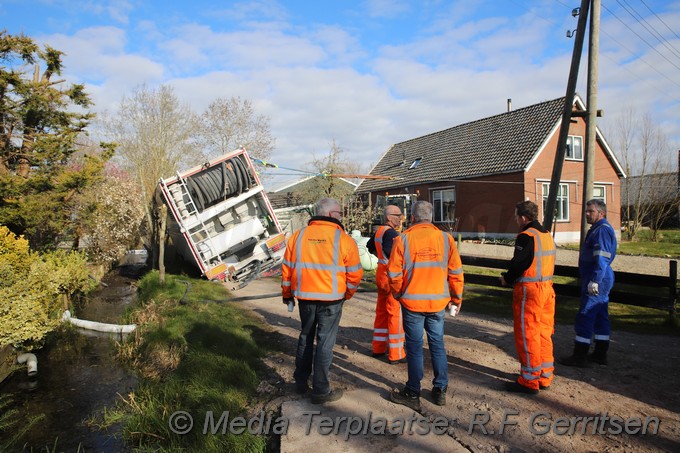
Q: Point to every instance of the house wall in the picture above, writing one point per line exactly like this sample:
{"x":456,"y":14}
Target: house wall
{"x":572,"y":174}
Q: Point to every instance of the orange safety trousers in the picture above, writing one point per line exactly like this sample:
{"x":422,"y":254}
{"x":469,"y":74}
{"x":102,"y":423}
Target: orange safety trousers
{"x":388,"y":329}
{"x":533,"y":306}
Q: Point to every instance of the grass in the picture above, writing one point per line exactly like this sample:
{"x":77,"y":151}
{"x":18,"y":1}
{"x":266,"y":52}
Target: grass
{"x":666,"y":246}
{"x":199,"y":356}
{"x":495,"y":301}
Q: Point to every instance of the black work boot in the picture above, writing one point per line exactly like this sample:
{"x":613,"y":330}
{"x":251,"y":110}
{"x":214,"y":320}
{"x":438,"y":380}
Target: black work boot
{"x":599,"y":355}
{"x":580,"y":356}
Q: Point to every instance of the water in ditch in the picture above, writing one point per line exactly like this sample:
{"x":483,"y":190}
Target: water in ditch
{"x":77,"y":377}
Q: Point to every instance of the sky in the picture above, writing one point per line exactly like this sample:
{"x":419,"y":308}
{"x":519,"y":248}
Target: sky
{"x":361,"y":74}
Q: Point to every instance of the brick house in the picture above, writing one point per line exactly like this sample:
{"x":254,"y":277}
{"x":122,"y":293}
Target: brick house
{"x":476,"y":172}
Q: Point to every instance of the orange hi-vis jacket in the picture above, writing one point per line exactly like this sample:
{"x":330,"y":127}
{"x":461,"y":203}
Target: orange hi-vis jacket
{"x":542,"y":267}
{"x":425,"y":270}
{"x":321,"y":263}
{"x":381,"y":280}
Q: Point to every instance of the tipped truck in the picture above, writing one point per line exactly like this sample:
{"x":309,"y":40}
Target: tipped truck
{"x":222,"y":220}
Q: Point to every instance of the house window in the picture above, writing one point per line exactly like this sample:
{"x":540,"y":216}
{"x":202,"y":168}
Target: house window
{"x":444,"y":205}
{"x":415,"y":163}
{"x":561,"y":204}
{"x":599,"y":193}
{"x":574,"y":147}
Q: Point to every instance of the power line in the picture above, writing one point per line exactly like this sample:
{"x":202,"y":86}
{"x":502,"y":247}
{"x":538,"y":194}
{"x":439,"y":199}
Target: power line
{"x":660,"y":19}
{"x":643,"y":39}
{"x":642,"y":21}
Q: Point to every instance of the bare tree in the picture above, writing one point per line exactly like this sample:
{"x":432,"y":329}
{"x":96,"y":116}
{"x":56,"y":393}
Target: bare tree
{"x":229,"y":124}
{"x":645,"y":154}
{"x":154,"y":131}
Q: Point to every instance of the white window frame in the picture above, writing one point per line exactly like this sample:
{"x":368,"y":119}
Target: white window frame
{"x":604,"y":192}
{"x":562,"y":201}
{"x":415,"y":163}
{"x":570,"y":148}
{"x":438,"y":211}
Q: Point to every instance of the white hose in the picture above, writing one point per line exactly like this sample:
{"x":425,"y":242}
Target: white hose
{"x":31,"y":362}
{"x":98,"y":326}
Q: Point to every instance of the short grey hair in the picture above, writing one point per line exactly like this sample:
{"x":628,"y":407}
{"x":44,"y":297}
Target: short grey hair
{"x":325,"y":206}
{"x":422,"y":211}
{"x":599,"y":205}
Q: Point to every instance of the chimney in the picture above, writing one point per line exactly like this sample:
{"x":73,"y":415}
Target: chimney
{"x":509,"y":105}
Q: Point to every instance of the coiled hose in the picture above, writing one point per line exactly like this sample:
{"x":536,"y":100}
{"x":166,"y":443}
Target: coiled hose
{"x":216,"y":184}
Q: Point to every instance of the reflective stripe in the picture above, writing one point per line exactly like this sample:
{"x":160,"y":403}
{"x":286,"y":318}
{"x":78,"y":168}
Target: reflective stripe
{"x":398,"y":345}
{"x":410,"y":265}
{"x":380,"y":330}
{"x":397,"y":336}
{"x":582,"y":340}
{"x":537,"y":263}
{"x":456,"y":271}
{"x":317,"y":296}
{"x":602,"y":253}
{"x":394,"y":274}
{"x":285,"y":283}
{"x":601,"y":337}
{"x":547,"y":365}
{"x":546,"y":375}
{"x":527,"y":355}
{"x":379,"y":338}
{"x":382,"y":259}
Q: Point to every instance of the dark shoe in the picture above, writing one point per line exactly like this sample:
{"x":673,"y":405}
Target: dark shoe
{"x":333,"y":395}
{"x":378,"y":354}
{"x":544,"y":387}
{"x":599,"y":360}
{"x":407,"y":398}
{"x":516,"y":387}
{"x":579,"y":358}
{"x":599,"y":355}
{"x":301,"y":388}
{"x":439,"y":396}
{"x":394,"y":362}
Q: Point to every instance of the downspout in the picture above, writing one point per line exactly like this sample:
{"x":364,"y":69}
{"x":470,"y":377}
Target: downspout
{"x":31,"y":362}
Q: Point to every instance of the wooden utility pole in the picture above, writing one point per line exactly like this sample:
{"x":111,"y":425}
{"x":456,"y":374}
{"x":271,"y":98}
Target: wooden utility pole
{"x":591,"y":113}
{"x":549,"y":213}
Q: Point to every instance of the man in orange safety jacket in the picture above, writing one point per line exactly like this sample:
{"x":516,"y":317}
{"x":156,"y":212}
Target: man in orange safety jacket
{"x":533,"y":301}
{"x":426,"y":276}
{"x":321,"y":268}
{"x":388,"y":332}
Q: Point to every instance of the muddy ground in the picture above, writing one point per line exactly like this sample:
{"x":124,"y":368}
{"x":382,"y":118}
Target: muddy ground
{"x":640,"y":385}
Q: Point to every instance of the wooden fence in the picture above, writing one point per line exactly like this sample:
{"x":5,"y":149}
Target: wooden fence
{"x":653,"y":291}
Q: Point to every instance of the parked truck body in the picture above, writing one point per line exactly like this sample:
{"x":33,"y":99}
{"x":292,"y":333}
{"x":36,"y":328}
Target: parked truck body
{"x":222,"y":220}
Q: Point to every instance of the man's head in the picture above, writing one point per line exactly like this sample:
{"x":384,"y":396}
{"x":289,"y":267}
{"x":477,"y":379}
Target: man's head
{"x":393,"y":216}
{"x":421,"y":212}
{"x":525,"y":212}
{"x":595,"y":210}
{"x":329,"y":207}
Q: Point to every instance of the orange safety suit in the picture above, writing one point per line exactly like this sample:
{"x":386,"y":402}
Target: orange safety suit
{"x":533,"y":306}
{"x":387,"y":327}
{"x":425,"y":270}
{"x":321,"y":263}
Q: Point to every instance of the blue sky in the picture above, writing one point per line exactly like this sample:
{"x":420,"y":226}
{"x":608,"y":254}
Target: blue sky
{"x":365,"y":74}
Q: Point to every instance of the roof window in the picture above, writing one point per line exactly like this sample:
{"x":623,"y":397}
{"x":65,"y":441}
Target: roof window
{"x":415,"y":163}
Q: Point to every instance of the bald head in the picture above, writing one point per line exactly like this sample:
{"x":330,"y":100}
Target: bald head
{"x":393,"y":216}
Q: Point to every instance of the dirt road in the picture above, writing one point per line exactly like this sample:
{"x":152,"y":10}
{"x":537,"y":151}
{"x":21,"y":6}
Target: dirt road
{"x":640,"y":386}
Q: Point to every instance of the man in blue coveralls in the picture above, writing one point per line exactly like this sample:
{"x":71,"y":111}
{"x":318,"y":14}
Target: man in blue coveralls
{"x":597,"y":278}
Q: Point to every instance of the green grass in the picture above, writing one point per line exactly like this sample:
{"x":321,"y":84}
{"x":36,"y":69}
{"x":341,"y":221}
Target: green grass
{"x":496,"y":301}
{"x":203,"y":355}
{"x":666,"y":246}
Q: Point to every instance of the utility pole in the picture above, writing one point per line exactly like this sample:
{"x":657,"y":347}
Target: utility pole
{"x":591,"y":113}
{"x":549,"y":212}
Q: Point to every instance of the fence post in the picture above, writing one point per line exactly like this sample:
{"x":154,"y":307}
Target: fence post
{"x":673,"y":275}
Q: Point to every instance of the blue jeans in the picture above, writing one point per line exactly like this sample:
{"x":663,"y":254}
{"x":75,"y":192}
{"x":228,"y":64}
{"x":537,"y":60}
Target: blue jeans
{"x":433,"y":325}
{"x":320,"y":319}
